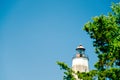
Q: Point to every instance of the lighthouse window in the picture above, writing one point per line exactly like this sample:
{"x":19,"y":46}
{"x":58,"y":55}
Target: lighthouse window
{"x":80,"y":55}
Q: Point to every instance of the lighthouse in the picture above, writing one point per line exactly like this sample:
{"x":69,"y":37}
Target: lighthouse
{"x":80,"y":60}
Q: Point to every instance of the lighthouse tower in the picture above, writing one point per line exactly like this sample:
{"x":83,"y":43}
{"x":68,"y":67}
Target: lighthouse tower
{"x":80,"y":60}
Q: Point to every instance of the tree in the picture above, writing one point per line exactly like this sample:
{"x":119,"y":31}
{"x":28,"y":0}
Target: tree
{"x":105,"y":32}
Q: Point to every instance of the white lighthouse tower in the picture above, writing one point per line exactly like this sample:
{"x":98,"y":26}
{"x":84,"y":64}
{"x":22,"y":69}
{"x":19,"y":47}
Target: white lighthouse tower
{"x":80,"y":60}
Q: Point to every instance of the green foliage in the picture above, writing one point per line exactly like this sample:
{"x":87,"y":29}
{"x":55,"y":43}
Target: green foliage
{"x":68,"y":71}
{"x":105,"y":32}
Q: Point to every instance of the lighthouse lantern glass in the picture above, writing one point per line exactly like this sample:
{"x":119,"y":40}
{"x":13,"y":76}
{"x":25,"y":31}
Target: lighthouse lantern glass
{"x":80,"y":51}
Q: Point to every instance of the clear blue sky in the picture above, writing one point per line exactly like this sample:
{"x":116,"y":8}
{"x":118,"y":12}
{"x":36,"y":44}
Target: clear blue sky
{"x":34,"y":34}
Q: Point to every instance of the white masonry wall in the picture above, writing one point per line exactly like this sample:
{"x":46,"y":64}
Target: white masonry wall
{"x":80,"y":64}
